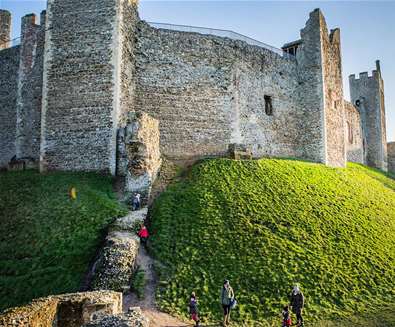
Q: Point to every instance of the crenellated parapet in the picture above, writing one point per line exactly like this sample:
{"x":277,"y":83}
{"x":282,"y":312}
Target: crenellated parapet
{"x":367,"y":93}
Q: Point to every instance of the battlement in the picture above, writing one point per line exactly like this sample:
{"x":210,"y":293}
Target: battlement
{"x":365,"y":76}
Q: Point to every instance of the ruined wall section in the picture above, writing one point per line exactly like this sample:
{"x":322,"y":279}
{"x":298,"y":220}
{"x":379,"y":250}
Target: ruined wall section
{"x":368,"y":91}
{"x":333,"y":93}
{"x":208,"y":92}
{"x":311,"y":88}
{"x":129,"y":20}
{"x":9,"y":67}
{"x":28,"y":128}
{"x":391,"y":156}
{"x":354,"y":134}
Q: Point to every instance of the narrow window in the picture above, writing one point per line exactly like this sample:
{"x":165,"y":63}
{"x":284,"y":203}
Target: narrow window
{"x":350,"y":136}
{"x":268,"y":105}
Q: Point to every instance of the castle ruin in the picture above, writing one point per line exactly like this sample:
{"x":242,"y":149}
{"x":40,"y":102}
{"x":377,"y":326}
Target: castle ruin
{"x":92,"y":71}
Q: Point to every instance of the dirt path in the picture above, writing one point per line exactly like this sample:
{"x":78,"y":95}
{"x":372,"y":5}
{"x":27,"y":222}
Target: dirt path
{"x":147,"y":305}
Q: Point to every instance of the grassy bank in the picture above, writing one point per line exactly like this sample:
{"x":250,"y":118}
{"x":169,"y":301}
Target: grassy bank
{"x":268,"y":224}
{"x":46,"y":239}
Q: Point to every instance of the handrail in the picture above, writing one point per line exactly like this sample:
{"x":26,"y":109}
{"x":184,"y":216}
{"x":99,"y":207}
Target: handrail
{"x":222,"y":33}
{"x":10,"y":43}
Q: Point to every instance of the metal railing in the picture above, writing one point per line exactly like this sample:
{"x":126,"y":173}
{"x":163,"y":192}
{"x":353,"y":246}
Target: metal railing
{"x":222,"y":33}
{"x":10,"y":43}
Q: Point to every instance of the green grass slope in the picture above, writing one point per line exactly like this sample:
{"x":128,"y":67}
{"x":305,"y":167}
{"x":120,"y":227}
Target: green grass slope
{"x":268,"y":224}
{"x":46,"y":239}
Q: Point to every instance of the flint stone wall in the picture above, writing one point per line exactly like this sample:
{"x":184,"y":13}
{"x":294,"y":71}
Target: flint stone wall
{"x":369,"y":91}
{"x":68,"y":310}
{"x":133,"y":318}
{"x":354,"y":134}
{"x":391,"y":156}
{"x":9,"y":66}
{"x":79,"y":110}
{"x":28,"y":127}
{"x":139,"y":157}
{"x":208,"y":92}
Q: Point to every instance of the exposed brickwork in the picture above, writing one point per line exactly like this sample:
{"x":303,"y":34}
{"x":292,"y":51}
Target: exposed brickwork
{"x":9,"y":66}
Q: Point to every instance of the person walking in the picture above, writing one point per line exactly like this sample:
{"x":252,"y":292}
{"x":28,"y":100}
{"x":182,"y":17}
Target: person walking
{"x":136,"y":202}
{"x":227,"y":298}
{"x":297,"y":304}
{"x":143,"y":234}
{"x":193,"y":309}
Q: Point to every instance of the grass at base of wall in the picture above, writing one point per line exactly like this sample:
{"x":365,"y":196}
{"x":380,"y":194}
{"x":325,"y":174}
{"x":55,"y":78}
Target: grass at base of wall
{"x":47,"y":240}
{"x":267,"y":224}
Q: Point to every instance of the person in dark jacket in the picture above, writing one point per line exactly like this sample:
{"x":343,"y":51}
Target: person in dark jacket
{"x":227,"y":297}
{"x":193,"y":309}
{"x":297,"y":304}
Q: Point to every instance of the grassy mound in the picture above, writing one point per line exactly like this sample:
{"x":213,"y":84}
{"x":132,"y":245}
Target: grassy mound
{"x":268,"y":224}
{"x":46,"y":239}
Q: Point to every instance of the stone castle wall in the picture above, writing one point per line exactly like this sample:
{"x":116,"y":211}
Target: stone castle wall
{"x":99,"y":62}
{"x":29,"y":90}
{"x":333,"y":93}
{"x":9,"y":67}
{"x":5,"y":29}
{"x":391,"y":156}
{"x":369,"y":92}
{"x":81,"y":76}
{"x":208,"y":92}
{"x":354,"y":134}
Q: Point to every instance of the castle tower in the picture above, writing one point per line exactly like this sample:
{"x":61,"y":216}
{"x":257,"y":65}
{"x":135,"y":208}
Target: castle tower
{"x":28,"y":59}
{"x":88,"y":82}
{"x":5,"y":29}
{"x":321,"y":92}
{"x":367,"y":93}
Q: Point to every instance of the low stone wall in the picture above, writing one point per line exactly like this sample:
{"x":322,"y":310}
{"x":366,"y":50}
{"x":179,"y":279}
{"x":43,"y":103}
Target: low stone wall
{"x":133,"y":318}
{"x":117,"y":261}
{"x":68,"y":310}
{"x":391,"y":156}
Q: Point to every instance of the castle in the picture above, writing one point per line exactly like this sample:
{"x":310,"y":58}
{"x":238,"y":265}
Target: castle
{"x":71,"y":92}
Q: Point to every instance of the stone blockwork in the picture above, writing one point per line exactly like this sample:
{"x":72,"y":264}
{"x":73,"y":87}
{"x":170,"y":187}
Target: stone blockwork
{"x":354,"y":134}
{"x":139,"y":154}
{"x":208,"y":92}
{"x":333,"y":95}
{"x":100,"y":63}
{"x":29,"y":91}
{"x":133,"y":318}
{"x":9,"y":67}
{"x":391,"y":156}
{"x":82,"y":88}
{"x":68,"y":310}
{"x":368,"y":92}
{"x":116,"y":263}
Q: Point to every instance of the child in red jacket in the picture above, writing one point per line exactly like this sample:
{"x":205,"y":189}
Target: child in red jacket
{"x":143,"y":234}
{"x":286,"y":317}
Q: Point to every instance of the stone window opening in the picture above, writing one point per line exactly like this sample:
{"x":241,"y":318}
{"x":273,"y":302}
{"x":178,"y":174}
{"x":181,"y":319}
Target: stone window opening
{"x":268,"y":105}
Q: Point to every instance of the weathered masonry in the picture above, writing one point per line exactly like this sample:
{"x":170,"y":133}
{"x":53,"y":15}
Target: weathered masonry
{"x":93,"y":88}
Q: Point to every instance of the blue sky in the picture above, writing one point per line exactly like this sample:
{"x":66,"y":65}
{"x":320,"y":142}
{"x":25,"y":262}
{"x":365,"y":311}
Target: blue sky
{"x":367,"y":28}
